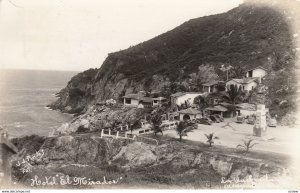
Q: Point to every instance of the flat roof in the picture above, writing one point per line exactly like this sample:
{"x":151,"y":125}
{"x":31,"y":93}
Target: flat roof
{"x":139,"y":98}
{"x":218,"y":108}
{"x":190,"y":111}
{"x":178,"y":94}
{"x":244,"y":80}
{"x":211,"y":83}
{"x":256,"y":68}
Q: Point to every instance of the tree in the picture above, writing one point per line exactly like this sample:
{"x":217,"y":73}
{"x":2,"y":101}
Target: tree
{"x":136,"y":125}
{"x":226,"y":69}
{"x":177,"y":87}
{"x":202,"y":103}
{"x":156,"y":120}
{"x":247,"y":144}
{"x":233,"y":95}
{"x":210,"y":138}
{"x":185,"y":105}
{"x":206,"y":73}
{"x":166,"y":91}
{"x":237,"y":72}
{"x":182,"y":129}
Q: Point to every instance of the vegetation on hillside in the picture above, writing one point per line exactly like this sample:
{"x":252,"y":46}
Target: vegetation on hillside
{"x":244,"y":37}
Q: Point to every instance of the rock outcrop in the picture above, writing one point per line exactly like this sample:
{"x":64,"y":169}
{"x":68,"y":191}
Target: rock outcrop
{"x":99,"y":117}
{"x":164,"y":163}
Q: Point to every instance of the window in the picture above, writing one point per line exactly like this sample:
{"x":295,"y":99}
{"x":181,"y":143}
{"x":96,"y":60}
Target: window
{"x":127,"y":101}
{"x":250,"y":73}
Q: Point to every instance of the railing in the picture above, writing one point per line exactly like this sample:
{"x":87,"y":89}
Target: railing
{"x":124,"y":133}
{"x":126,"y":127}
{"x":123,"y":128}
{"x":117,"y":134}
{"x":142,"y":130}
{"x":169,"y":125}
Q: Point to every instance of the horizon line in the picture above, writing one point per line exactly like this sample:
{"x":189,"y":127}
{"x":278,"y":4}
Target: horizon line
{"x":38,"y":69}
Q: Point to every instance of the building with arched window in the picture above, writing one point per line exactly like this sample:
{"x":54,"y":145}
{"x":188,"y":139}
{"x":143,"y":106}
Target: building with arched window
{"x":189,"y":114}
{"x":247,"y":84}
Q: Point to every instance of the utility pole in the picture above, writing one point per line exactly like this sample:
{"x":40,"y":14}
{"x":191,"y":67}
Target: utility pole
{"x":223,"y":68}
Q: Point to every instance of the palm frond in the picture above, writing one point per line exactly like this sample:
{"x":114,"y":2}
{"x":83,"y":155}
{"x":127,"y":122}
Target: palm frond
{"x":253,"y":145}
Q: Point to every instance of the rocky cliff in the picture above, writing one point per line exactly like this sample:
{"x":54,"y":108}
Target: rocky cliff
{"x":171,"y":163}
{"x":247,"y":36}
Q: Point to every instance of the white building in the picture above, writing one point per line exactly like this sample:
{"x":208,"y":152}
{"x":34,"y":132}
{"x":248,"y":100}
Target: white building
{"x":210,"y":87}
{"x":189,"y":114}
{"x":258,"y":72}
{"x":179,"y":98}
{"x":137,"y":100}
{"x":247,"y":84}
{"x":158,"y":101}
{"x":248,"y":109}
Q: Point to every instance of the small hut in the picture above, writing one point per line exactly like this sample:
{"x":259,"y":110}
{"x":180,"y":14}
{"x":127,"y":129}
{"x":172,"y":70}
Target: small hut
{"x":189,"y":114}
{"x":218,"y":109}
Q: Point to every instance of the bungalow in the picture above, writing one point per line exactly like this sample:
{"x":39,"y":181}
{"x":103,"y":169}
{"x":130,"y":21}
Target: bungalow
{"x":137,"y":100}
{"x":179,"y":98}
{"x":158,"y":101}
{"x":189,"y":114}
{"x":247,"y":84}
{"x":218,"y":109}
{"x":247,"y":109}
{"x":258,"y":72}
{"x":210,"y":87}
{"x":140,"y":100}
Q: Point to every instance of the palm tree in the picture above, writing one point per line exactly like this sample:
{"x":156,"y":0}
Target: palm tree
{"x":156,"y":120}
{"x":182,"y":129}
{"x":202,"y":103}
{"x":210,"y":138}
{"x":247,"y":144}
{"x":233,"y":95}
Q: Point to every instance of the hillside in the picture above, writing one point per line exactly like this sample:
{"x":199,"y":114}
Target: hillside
{"x":247,"y":36}
{"x":171,"y":164}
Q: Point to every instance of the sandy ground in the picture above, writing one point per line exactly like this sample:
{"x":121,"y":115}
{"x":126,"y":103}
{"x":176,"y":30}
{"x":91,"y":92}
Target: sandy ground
{"x":279,"y":139}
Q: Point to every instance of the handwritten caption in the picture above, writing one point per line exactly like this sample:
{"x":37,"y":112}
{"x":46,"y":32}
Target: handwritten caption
{"x":26,"y":163}
{"x":242,"y":183}
{"x":62,"y":180}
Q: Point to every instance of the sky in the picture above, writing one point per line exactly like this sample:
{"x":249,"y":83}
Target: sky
{"x":75,"y":35}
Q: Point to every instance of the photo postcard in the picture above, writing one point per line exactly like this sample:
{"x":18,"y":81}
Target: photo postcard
{"x":149,"y":94}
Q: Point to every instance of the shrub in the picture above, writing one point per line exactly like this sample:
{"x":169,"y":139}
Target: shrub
{"x":247,"y":144}
{"x":82,"y":129}
{"x":210,"y":138}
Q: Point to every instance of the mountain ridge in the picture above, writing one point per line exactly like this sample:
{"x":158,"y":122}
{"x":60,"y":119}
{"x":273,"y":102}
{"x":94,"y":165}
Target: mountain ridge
{"x":247,"y":36}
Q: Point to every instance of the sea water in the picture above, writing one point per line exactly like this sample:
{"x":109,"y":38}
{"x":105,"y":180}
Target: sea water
{"x":24,"y":95}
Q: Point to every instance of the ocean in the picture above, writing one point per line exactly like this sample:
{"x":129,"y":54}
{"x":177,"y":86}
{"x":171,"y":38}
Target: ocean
{"x":24,"y":95}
